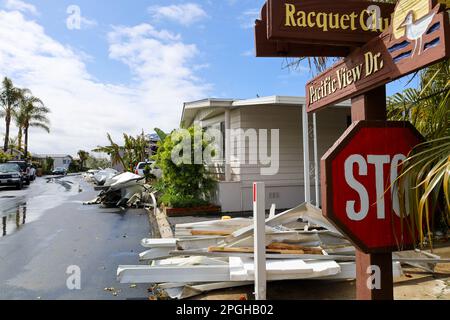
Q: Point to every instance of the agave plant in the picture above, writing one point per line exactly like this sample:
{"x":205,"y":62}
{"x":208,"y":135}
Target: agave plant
{"x":424,"y":182}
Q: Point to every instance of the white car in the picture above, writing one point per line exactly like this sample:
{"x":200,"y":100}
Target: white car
{"x":32,"y":173}
{"x":139,"y":170}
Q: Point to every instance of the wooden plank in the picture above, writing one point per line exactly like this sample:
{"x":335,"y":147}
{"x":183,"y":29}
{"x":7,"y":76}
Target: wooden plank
{"x":268,"y":250}
{"x":209,"y":233}
{"x":268,"y":255}
{"x":284,"y":246}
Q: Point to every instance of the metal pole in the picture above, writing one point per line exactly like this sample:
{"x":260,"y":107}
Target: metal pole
{"x":227,"y":146}
{"x":307,"y":182}
{"x":259,"y":218}
{"x":316,"y":162}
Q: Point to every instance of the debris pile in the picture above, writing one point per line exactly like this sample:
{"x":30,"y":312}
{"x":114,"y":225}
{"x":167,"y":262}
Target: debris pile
{"x":218,"y":254}
{"x":211,"y":255}
{"x":120,"y":190}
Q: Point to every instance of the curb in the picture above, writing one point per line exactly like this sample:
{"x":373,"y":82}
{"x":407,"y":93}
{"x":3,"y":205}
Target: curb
{"x":159,"y":224}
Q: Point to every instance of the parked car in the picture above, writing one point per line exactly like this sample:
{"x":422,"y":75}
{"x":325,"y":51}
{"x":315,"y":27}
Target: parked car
{"x":139,"y":169}
{"x":25,"y":168}
{"x":11,"y":175}
{"x":60,"y":171}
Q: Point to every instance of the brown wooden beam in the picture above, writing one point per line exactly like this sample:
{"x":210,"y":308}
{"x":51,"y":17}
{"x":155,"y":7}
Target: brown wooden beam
{"x":372,"y":106}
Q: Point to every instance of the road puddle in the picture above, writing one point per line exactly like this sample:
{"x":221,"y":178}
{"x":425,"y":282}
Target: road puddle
{"x":14,"y":221}
{"x":19,"y":208}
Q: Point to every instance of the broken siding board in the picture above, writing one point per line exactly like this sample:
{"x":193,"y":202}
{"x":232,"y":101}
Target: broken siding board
{"x":159,"y":243}
{"x":148,"y":274}
{"x":242,"y":269}
{"x":191,"y":261}
{"x":348,"y":271}
{"x":156,"y":253}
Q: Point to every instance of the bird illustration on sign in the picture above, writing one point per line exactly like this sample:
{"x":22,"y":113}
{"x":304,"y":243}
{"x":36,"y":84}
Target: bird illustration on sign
{"x":412,"y":18}
{"x":415,"y":29}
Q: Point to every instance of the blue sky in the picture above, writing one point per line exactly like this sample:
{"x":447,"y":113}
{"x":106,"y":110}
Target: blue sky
{"x":133,"y":63}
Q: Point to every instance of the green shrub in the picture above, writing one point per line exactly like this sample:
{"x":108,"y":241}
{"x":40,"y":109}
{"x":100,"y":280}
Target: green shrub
{"x":47,"y":165}
{"x":4,"y":157}
{"x":183,"y":185}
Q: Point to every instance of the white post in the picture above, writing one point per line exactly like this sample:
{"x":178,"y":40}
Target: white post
{"x":307,"y":182}
{"x":227,"y":146}
{"x":259,"y":218}
{"x":316,"y":162}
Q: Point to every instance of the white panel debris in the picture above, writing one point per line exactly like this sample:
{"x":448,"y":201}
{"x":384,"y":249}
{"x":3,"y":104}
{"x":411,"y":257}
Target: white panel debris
{"x":210,"y":255}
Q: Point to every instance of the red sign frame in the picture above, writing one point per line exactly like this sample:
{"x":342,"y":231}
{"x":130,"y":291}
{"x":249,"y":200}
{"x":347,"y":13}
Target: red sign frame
{"x":367,"y":138}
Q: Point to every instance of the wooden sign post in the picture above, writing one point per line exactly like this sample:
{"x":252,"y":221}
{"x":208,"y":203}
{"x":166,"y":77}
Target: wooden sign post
{"x":372,"y":106}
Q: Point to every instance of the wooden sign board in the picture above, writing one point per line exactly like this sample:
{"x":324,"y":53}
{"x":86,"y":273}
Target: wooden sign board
{"x":356,"y":172}
{"x":327,"y":22}
{"x":392,"y":55}
{"x":277,"y":48}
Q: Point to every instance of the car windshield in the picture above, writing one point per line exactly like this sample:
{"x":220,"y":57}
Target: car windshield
{"x":9,"y":167}
{"x":22,"y":165}
{"x":142,"y":165}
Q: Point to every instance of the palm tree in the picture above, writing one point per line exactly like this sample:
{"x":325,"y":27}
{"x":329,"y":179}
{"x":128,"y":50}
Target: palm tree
{"x":32,"y":113}
{"x":13,"y":144}
{"x":113,"y":150}
{"x":83,"y":155}
{"x":9,"y":99}
{"x":19,"y":119}
{"x":426,"y":172}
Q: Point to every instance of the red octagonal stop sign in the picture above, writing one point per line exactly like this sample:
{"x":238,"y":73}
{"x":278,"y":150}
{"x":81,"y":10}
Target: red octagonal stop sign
{"x":356,"y":172}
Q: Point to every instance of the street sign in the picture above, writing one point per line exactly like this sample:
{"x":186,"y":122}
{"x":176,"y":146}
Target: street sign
{"x":327,"y":22}
{"x":388,"y":57}
{"x":357,"y":173}
{"x":283,"y":48}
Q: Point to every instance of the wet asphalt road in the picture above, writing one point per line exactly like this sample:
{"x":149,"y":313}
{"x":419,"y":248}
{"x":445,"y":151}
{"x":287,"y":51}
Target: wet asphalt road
{"x":45,"y":229}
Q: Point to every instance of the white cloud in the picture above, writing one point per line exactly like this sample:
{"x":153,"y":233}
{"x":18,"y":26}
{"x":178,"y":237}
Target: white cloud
{"x":20,"y":6}
{"x":185,"y":14}
{"x":84,"y":109}
{"x":87,"y":23}
{"x":248,"y":17}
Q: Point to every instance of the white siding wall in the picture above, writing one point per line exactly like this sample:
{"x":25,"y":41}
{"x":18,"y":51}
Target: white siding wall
{"x":286,"y":188}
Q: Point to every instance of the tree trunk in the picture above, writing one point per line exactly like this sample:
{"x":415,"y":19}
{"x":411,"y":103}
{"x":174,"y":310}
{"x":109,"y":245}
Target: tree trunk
{"x":25,"y":145}
{"x":7,"y":123}
{"x":19,"y":138}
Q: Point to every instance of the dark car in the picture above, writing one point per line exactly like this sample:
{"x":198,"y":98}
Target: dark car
{"x":25,"y":168}
{"x":59,"y":171}
{"x":11,"y":175}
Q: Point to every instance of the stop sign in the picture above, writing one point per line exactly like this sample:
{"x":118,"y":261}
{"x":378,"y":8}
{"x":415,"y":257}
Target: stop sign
{"x":356,"y":175}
